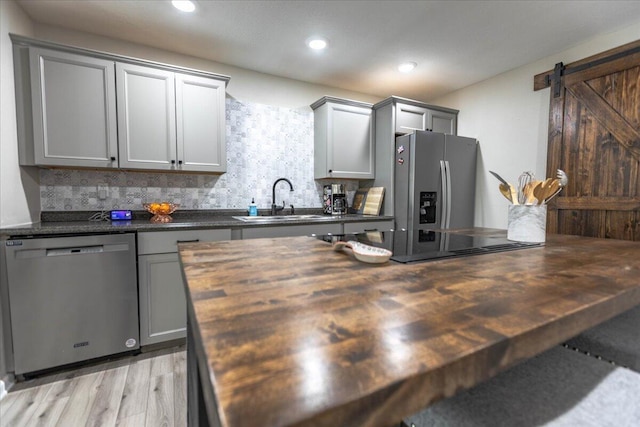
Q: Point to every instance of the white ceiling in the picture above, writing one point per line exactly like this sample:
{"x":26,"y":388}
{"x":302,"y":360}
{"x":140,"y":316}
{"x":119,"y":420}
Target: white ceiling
{"x":455,"y":43}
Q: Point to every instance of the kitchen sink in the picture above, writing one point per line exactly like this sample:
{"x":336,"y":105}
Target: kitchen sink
{"x":280,"y":218}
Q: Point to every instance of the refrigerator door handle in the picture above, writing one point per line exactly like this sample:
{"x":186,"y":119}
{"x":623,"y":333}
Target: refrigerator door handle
{"x":448,"y":193}
{"x":443,"y":195}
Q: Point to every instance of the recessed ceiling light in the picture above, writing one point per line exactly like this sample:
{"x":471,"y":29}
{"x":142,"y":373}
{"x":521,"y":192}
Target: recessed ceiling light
{"x":184,"y":5}
{"x":407,"y":67}
{"x":317,"y":43}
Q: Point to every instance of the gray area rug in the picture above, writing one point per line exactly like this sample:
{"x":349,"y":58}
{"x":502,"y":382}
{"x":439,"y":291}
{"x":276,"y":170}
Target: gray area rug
{"x":560,"y":387}
{"x":617,"y":340}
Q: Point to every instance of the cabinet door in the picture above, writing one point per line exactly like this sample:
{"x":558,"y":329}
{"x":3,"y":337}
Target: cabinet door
{"x":200,"y":124}
{"x":163,"y":306}
{"x":444,"y":122}
{"x":74,"y":109}
{"x":365,"y":226}
{"x":411,"y":117}
{"x":350,"y":151}
{"x":146,"y":117}
{"x":291,"y":230}
{"x":158,"y":242}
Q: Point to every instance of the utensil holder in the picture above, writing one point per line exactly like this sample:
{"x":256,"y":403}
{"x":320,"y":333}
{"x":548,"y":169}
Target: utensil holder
{"x":527,"y":223}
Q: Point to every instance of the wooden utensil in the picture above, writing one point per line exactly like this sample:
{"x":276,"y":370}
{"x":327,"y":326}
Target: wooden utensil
{"x":505,"y":191}
{"x":563,"y":180}
{"x":546,"y":190}
{"x":530,"y":199}
{"x":365,"y":253}
{"x":514,"y":195}
{"x":538,"y":192}
{"x":527,"y":191}
{"x":509,"y":192}
{"x":552,"y":189}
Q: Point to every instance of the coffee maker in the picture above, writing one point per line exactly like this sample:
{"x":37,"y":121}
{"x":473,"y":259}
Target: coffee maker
{"x":335,"y":199}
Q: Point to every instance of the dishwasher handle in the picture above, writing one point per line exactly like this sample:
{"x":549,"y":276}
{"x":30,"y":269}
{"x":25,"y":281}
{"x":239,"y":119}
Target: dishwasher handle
{"x":88,"y":250}
{"x":69,"y":251}
{"x":76,"y":250}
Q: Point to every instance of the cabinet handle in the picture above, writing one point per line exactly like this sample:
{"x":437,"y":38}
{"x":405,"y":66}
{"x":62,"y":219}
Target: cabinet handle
{"x":188,"y":241}
{"x":173,"y":162}
{"x":113,"y":159}
{"x":330,"y":170}
{"x":180,"y":162}
{"x":370,"y":229}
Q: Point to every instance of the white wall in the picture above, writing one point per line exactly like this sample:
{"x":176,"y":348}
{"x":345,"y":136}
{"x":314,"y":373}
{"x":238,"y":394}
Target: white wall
{"x":19,"y":188}
{"x":511,"y":122}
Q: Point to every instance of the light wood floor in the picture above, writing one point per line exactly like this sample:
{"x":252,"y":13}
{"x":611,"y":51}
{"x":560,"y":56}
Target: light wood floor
{"x":149,"y":389}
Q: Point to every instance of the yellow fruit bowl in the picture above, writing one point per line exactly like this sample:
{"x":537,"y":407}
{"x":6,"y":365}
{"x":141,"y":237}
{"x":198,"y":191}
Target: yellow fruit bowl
{"x":161,"y":211}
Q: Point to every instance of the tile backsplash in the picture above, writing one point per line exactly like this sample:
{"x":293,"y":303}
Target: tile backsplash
{"x":264,"y":143}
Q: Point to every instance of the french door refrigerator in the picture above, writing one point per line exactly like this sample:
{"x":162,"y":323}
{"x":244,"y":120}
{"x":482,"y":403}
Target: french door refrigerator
{"x":435,"y":181}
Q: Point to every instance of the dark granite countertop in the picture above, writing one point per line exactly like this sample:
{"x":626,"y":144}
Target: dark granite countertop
{"x":77,"y":222}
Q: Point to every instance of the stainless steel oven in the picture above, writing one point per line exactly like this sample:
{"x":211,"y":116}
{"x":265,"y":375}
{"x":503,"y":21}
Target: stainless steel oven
{"x":71,"y":299}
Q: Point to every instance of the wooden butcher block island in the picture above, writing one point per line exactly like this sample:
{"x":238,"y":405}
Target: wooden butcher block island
{"x":288,"y":332}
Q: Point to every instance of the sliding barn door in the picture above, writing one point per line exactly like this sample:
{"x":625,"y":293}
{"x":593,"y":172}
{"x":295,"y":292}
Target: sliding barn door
{"x":594,"y":136}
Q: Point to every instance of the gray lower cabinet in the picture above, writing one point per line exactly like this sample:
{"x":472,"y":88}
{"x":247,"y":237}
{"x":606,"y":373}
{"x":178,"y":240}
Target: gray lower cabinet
{"x":363,"y":227}
{"x":161,"y":287}
{"x":319,"y":228}
{"x":66,"y":105}
{"x":291,"y":230}
{"x":162,"y":298}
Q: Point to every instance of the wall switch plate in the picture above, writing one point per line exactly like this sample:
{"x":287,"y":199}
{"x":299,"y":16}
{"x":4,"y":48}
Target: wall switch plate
{"x":103,"y":191}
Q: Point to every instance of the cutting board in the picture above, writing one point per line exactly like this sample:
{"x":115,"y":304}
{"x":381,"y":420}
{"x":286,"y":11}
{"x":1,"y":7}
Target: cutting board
{"x":373,"y":201}
{"x":358,"y":200}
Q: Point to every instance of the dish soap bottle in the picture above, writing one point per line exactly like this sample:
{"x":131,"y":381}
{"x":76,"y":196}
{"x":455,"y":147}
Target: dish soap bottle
{"x":253,"y":208}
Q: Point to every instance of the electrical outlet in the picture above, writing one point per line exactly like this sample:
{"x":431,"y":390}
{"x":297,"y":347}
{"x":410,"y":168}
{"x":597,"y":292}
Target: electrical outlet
{"x":103,"y":191}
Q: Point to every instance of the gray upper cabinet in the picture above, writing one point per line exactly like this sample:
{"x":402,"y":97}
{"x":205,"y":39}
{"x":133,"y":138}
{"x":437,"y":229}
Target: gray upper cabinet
{"x":396,"y":116}
{"x":343,"y":139}
{"x":200,"y":114}
{"x":170,"y":121}
{"x":81,"y":108}
{"x":73,"y":110}
{"x":146,"y":117}
{"x":410,"y":117}
{"x":444,"y":122}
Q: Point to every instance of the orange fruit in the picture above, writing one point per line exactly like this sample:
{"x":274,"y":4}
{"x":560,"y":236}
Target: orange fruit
{"x":165,"y":208}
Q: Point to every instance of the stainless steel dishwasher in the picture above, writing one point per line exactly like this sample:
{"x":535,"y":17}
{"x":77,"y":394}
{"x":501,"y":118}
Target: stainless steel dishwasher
{"x":71,"y":299}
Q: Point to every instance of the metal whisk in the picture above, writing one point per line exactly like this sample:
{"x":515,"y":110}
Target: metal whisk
{"x":523,"y":180}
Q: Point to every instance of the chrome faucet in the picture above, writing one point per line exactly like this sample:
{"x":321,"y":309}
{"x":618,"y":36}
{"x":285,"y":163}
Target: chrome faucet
{"x":275,"y":208}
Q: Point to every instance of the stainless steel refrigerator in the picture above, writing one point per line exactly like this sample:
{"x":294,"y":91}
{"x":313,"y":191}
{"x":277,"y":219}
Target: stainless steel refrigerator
{"x":435,"y":181}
